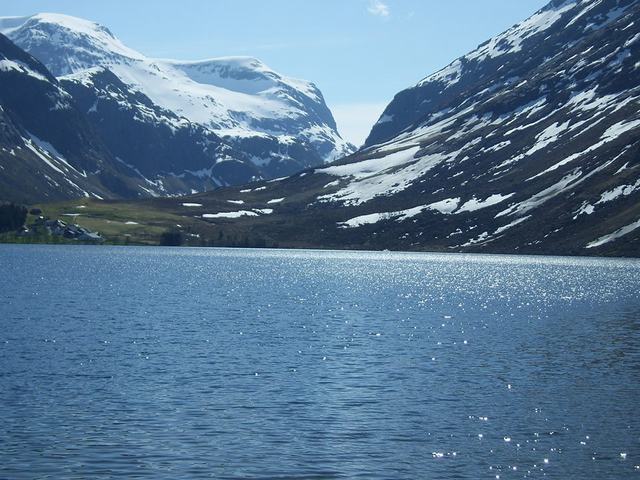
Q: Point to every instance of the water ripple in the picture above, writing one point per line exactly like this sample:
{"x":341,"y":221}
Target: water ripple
{"x":223,"y":363}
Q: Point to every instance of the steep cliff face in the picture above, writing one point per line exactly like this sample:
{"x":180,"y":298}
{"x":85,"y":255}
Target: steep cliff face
{"x":47,"y":149}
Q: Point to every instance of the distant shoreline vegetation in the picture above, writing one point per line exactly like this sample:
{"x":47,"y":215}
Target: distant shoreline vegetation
{"x":99,"y":223}
{"x":141,"y":224}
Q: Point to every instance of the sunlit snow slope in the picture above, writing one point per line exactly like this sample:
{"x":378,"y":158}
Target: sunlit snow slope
{"x":272,"y":125}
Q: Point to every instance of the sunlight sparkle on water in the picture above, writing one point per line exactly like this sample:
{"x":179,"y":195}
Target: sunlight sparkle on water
{"x":347,"y":350}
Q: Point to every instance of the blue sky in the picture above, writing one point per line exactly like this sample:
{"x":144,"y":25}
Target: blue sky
{"x":359,"y":52}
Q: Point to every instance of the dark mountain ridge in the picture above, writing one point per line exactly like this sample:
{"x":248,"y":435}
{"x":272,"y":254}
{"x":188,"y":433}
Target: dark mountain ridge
{"x":35,"y":114}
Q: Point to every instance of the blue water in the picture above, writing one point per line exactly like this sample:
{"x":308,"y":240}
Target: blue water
{"x":221,"y":363}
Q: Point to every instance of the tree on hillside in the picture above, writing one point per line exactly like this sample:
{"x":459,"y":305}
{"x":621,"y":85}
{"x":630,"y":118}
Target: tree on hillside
{"x":12,"y":217}
{"x":171,"y":238}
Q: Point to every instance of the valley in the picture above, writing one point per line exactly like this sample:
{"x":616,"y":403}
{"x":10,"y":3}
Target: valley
{"x":528,"y":144}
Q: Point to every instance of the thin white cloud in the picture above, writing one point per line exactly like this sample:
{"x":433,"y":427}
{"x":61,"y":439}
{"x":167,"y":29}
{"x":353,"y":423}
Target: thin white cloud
{"x":355,"y":120}
{"x":378,"y":8}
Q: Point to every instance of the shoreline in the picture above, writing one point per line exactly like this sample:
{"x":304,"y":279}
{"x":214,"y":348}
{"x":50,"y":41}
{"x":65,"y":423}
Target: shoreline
{"x":329,"y":250}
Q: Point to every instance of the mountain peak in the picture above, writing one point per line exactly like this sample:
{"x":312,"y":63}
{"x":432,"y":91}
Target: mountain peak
{"x":78,"y":44}
{"x":70,"y":23}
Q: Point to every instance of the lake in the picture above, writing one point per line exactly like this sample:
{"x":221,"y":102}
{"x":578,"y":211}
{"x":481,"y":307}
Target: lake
{"x":168,"y":363}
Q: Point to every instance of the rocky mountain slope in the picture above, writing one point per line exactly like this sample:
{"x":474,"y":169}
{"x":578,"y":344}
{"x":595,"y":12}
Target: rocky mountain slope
{"x":36,"y":114}
{"x":528,"y":144}
{"x":169,"y":153}
{"x":210,"y":123}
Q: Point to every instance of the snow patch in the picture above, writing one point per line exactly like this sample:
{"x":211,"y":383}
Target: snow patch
{"x":617,"y":192}
{"x":475,"y":204}
{"x":238,"y":214}
{"x":446,"y":206}
{"x":383,"y":176}
{"x":15,"y":65}
{"x":614,"y":235}
{"x":510,"y":225}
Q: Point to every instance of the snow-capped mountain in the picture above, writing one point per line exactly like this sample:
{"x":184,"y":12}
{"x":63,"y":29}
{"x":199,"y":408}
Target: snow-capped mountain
{"x":169,"y":153}
{"x":272,"y":125}
{"x":530,"y":143}
{"x":54,"y":145}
